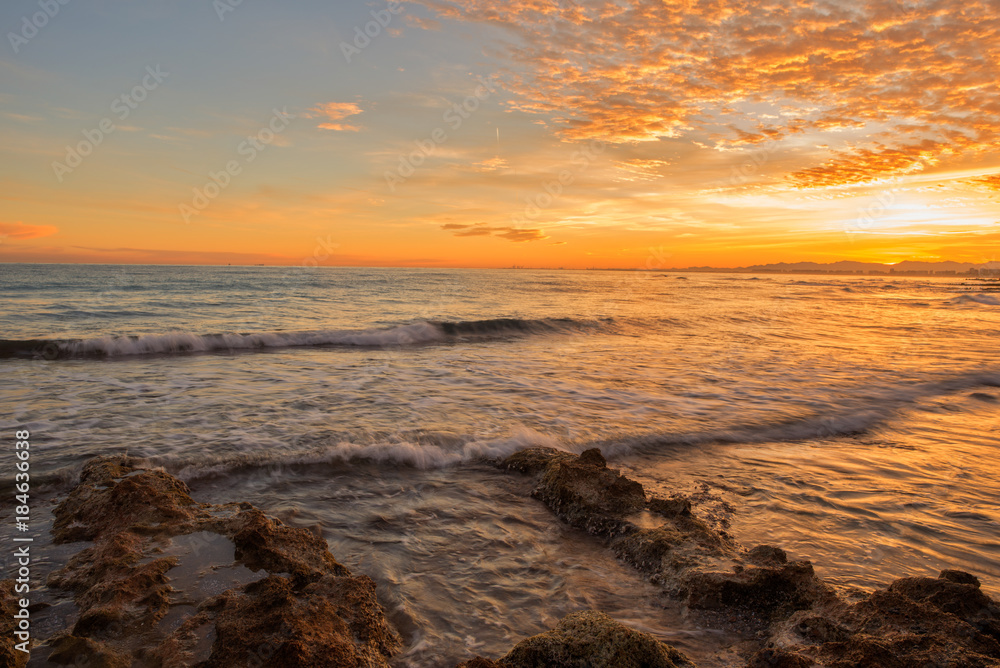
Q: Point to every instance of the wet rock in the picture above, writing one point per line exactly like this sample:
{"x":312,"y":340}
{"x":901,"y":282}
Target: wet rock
{"x":478,"y":662}
{"x":305,"y":609}
{"x":589,"y":495}
{"x":653,"y":550}
{"x":821,"y":630}
{"x":677,"y":506}
{"x":76,"y":651}
{"x":333,"y":622}
{"x":533,"y":461}
{"x":593,"y":640}
{"x":767,"y":591}
{"x":9,"y":656}
{"x":766,"y":555}
{"x":114,"y":495}
{"x":779,"y":658}
{"x":265,"y":543}
{"x":953,"y":592}
{"x":944,"y":621}
{"x":794,"y":618}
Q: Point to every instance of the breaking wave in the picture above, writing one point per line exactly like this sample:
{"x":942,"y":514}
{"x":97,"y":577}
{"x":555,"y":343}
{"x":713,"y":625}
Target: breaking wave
{"x":414,"y":334}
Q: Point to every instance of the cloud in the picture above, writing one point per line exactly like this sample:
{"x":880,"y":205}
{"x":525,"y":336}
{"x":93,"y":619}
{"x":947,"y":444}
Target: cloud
{"x":919,"y":74}
{"x":640,"y":169}
{"x":335,"y":111}
{"x":491,"y":165}
{"x":990,"y":183}
{"x":515,"y":234}
{"x":21,"y":231}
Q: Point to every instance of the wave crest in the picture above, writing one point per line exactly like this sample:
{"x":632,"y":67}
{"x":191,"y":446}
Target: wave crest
{"x":413,"y":334}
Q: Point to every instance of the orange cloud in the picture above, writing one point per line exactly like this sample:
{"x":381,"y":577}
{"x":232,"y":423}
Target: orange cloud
{"x":921,"y":74}
{"x":335,"y":111}
{"x":991,"y":182}
{"x":21,"y":231}
{"x":515,"y":234}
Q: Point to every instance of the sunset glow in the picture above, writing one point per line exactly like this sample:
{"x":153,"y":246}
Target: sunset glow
{"x":473,"y":133}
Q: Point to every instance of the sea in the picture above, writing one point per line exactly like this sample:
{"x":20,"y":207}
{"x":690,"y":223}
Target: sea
{"x":850,"y":419}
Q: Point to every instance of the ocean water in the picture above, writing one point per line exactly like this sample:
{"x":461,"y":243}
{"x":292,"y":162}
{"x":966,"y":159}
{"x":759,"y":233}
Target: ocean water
{"x":852,"y":420}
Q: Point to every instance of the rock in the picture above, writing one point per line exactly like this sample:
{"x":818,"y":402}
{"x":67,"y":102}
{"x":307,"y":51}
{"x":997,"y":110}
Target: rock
{"x":115,"y":495}
{"x":304,"y":609}
{"x":768,"y":591}
{"x":954,"y":592}
{"x":533,"y":461}
{"x":671,"y":508}
{"x":653,"y":550}
{"x":796,"y":619}
{"x":335,"y":622}
{"x":944,"y":621}
{"x":821,"y":630}
{"x":779,"y":658}
{"x":9,"y":656}
{"x":766,"y":555}
{"x":264,"y":543}
{"x":589,"y":495}
{"x":592,"y":640}
{"x":76,"y":651}
{"x":479,"y":662}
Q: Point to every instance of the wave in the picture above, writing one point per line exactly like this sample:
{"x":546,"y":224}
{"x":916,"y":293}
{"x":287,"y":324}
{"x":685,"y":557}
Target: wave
{"x":871,"y":411}
{"x":414,"y":334}
{"x":436,"y":451}
{"x":980,"y":298}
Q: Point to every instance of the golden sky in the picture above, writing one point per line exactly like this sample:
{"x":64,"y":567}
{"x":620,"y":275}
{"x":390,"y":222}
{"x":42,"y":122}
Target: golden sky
{"x":631,"y":133}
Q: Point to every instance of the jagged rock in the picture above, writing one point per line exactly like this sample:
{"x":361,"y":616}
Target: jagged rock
{"x":532,"y":461}
{"x":334,"y":622}
{"x":9,"y":656}
{"x":479,"y":662}
{"x":589,"y":495}
{"x":944,"y":621}
{"x":766,"y":555}
{"x":265,"y":543}
{"x":76,"y":651}
{"x":677,"y":506}
{"x":592,"y":640}
{"x":767,"y":591}
{"x":114,"y":495}
{"x":305,"y":608}
{"x":778,"y":658}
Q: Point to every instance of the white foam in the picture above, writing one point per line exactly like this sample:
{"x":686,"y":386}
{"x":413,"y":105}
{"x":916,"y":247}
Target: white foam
{"x":399,"y":452}
{"x":174,"y":342}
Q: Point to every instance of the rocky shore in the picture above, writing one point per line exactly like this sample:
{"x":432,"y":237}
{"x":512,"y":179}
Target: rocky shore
{"x":161,"y":580}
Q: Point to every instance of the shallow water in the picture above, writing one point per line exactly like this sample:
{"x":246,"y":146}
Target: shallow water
{"x":851,"y":420}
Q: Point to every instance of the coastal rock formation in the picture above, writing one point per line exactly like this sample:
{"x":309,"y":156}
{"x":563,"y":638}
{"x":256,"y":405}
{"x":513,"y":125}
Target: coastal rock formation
{"x":943,"y":621}
{"x":9,"y":656}
{"x":588,"y":640}
{"x":276,"y":595}
{"x":795,"y":619}
{"x":664,"y":539}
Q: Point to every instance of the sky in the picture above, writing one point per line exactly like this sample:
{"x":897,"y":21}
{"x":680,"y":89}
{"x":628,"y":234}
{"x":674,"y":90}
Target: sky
{"x":472,"y":133}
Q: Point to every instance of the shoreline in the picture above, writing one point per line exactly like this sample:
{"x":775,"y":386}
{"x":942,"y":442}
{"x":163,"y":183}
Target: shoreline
{"x":160,"y":543}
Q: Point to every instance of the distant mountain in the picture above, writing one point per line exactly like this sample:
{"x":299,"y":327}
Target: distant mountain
{"x":866,"y":267}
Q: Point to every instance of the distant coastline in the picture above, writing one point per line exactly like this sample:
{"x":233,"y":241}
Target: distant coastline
{"x":851,"y":268}
{"x":843,"y":267}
